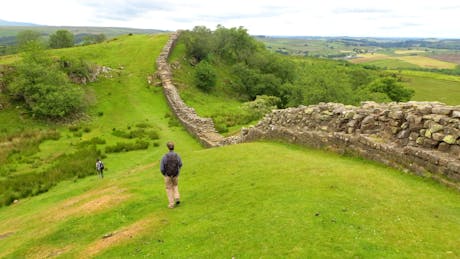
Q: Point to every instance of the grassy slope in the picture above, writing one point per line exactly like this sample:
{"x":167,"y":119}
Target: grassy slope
{"x":237,"y":201}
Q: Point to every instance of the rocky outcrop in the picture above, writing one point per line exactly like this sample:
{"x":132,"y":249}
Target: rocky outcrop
{"x":420,"y":137}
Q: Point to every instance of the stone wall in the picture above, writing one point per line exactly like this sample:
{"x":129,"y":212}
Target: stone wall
{"x":420,"y":137}
{"x":202,"y":128}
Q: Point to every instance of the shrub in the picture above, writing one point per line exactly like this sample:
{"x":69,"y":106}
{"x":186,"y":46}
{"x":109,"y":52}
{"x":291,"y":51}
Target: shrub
{"x":143,"y":125}
{"x":126,"y":147}
{"x":73,"y":128}
{"x":205,"y":76}
{"x":43,"y":88}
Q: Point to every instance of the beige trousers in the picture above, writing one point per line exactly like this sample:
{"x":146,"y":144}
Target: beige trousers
{"x":172,"y":190}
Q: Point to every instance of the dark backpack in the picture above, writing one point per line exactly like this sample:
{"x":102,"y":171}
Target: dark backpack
{"x":172,"y":165}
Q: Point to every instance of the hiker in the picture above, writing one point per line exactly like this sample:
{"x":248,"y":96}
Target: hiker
{"x":170,"y":167}
{"x":100,"y":168}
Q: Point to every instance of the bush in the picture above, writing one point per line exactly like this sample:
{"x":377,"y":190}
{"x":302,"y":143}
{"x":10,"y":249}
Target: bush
{"x":126,"y":147}
{"x":143,"y":125}
{"x":205,"y":76}
{"x":43,"y":87}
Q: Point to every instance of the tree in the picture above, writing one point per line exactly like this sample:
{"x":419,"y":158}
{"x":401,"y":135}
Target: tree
{"x":26,"y":36}
{"x":198,"y":42}
{"x":61,"y":39}
{"x":392,"y":88}
{"x":42,"y":87}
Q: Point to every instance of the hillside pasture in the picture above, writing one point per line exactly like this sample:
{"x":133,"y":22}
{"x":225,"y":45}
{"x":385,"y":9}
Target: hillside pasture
{"x":237,"y":202}
{"x":391,"y":63}
{"x":262,"y":199}
{"x":433,"y":88}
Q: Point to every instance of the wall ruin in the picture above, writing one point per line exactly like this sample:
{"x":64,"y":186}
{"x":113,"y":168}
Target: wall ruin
{"x":420,"y":137}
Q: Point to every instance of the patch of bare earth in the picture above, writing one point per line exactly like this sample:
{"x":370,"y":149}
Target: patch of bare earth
{"x":120,"y":236}
{"x":88,"y":203}
{"x":47,"y":251}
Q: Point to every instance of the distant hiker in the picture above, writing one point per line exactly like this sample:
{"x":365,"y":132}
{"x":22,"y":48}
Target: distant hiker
{"x":170,"y":167}
{"x":100,"y":168}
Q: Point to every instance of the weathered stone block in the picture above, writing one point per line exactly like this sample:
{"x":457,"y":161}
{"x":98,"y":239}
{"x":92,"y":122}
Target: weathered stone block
{"x":429,"y":143}
{"x":413,"y":136}
{"x":441,"y":110}
{"x":449,"y":139}
{"x":437,"y":136}
{"x":456,"y":114}
{"x":403,"y":134}
{"x":395,"y":114}
{"x":444,"y":147}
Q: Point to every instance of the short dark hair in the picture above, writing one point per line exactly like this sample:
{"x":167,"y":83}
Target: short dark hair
{"x":170,"y":145}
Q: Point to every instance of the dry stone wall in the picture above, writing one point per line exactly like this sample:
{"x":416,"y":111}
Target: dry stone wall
{"x":421,"y":137}
{"x":202,"y":128}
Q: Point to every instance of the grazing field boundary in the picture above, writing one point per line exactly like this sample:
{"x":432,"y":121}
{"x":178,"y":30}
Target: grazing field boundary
{"x":421,"y":137}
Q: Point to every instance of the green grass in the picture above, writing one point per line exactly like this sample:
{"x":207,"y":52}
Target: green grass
{"x":248,"y":200}
{"x":237,"y":202}
{"x":433,"y":89}
{"x":391,"y":64}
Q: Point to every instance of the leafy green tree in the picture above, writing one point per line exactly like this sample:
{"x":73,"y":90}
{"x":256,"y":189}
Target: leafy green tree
{"x":61,"y":39}
{"x":234,"y":44}
{"x":391,"y":88}
{"x":42,"y":87}
{"x":198,"y":42}
{"x":205,"y":76}
{"x":26,"y":36}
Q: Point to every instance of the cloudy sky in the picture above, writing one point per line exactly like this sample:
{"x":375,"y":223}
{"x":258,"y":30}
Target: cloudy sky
{"x":388,"y":18}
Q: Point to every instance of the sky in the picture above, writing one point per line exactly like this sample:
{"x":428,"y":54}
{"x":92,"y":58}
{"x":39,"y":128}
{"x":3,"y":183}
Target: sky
{"x":357,"y":18}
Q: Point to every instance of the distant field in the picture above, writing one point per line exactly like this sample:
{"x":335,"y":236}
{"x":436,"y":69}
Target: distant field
{"x":416,"y":61}
{"x":392,"y":64}
{"x":408,"y":51}
{"x":369,"y":57}
{"x":434,"y":89}
{"x":453,"y":58}
{"x":427,"y":62}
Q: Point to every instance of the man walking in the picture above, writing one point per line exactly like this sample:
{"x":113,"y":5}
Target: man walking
{"x":100,"y":168}
{"x":170,"y":167}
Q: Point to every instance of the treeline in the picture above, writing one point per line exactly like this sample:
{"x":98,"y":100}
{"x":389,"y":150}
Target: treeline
{"x":58,"y":39}
{"x":254,"y":71}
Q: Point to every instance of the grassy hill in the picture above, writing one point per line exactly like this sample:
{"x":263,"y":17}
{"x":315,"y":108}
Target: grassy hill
{"x":249,"y":200}
{"x":8,"y":33}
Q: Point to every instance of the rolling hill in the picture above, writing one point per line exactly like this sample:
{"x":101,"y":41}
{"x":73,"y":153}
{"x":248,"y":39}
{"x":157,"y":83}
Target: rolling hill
{"x":260,"y":199}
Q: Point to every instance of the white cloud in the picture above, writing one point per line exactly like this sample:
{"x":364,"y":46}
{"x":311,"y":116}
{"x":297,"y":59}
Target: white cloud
{"x":423,"y":18}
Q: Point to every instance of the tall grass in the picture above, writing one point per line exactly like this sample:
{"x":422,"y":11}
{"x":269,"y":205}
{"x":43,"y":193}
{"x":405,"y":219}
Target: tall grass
{"x":75,"y":165}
